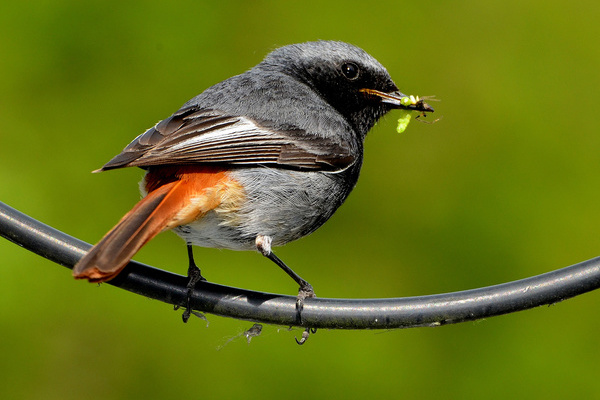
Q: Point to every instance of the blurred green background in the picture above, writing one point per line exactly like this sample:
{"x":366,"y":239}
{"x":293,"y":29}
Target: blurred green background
{"x":503,"y":187}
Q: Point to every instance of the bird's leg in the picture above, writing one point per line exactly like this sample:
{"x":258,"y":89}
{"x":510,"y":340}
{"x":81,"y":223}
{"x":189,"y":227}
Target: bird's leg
{"x":194,"y":277}
{"x":263,"y":245}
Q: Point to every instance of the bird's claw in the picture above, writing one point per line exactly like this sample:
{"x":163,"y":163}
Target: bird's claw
{"x":305,"y":334}
{"x":194,"y":276}
{"x":306,"y":291}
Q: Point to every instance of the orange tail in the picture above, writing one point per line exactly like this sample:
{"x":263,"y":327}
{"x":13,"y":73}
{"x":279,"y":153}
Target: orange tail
{"x":178,"y":200}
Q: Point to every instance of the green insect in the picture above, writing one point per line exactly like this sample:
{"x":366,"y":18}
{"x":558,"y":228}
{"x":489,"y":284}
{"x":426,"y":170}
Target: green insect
{"x":404,"y":120}
{"x":410,"y":100}
{"x":406,"y":115}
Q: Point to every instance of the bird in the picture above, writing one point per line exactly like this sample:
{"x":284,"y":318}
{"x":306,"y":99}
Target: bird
{"x":253,"y":162}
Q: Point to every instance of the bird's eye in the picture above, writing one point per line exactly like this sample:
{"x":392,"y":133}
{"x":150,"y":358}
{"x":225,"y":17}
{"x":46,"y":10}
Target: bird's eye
{"x":350,"y":70}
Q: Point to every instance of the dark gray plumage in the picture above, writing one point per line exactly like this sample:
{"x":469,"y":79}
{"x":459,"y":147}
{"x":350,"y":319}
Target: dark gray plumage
{"x":285,"y":140}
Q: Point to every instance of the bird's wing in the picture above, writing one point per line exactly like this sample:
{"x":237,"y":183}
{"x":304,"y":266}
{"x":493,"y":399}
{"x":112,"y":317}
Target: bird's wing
{"x":193,"y":135}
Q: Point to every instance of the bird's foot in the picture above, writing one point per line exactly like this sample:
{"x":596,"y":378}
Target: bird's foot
{"x":194,"y":276}
{"x":306,"y":291}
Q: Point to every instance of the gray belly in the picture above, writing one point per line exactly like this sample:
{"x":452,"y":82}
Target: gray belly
{"x":283,"y":204}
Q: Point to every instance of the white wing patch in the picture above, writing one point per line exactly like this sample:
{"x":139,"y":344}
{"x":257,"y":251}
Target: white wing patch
{"x":196,"y":136}
{"x":241,"y":133}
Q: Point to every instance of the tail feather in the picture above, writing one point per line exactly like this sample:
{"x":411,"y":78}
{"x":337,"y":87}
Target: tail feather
{"x":176,"y":196}
{"x":146,"y":220}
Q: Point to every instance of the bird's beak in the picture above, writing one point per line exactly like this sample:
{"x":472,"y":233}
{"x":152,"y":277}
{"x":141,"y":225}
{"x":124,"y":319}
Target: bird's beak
{"x":395,"y":100}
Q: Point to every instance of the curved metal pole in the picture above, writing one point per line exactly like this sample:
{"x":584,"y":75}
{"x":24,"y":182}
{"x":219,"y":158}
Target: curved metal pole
{"x":433,"y":310}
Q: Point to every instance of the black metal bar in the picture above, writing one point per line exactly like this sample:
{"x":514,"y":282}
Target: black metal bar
{"x":433,"y":310}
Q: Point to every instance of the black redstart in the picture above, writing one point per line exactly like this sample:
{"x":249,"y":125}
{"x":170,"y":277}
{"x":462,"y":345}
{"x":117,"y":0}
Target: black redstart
{"x":256,"y":161}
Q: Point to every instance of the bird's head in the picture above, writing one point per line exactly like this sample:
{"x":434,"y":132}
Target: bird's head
{"x":347,"y":77}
